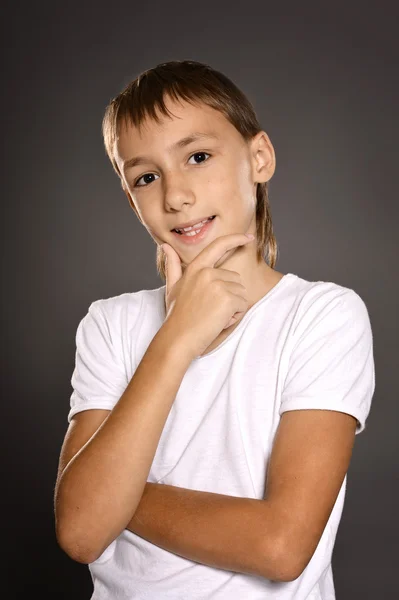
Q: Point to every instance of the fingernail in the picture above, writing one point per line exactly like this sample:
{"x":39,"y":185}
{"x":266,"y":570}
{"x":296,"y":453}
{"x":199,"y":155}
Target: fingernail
{"x":250,"y":236}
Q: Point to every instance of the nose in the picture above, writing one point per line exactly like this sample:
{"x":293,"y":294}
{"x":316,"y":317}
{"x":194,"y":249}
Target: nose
{"x":177,"y":192}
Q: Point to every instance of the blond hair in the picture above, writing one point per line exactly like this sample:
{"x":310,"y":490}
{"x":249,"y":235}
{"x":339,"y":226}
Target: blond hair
{"x":196,"y":83}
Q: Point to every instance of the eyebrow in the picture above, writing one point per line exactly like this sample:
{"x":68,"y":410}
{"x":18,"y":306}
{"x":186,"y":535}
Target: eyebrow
{"x":193,"y":137}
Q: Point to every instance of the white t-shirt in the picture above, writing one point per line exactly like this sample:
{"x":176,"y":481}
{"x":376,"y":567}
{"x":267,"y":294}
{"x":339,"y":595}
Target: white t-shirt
{"x":302,"y":345}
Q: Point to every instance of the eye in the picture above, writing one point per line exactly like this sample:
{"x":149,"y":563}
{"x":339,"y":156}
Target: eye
{"x":135,"y":184}
{"x":146,"y":175}
{"x":199,"y":154}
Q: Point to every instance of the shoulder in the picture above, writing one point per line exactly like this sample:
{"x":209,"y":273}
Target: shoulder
{"x":319,"y":302}
{"x":129,"y":307}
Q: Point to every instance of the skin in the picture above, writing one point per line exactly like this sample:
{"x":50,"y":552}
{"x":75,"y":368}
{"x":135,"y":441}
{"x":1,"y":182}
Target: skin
{"x":180,"y":186}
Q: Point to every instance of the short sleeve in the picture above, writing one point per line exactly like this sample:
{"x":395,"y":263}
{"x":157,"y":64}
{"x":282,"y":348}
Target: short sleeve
{"x":99,"y":378}
{"x":331,"y":365}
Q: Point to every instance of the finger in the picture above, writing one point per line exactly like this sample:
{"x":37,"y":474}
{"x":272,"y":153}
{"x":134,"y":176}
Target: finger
{"x":212,"y":253}
{"x":173,"y":268}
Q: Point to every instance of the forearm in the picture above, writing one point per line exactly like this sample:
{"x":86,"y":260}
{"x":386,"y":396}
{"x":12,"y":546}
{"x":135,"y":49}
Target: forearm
{"x":213,"y":529}
{"x":101,"y":486}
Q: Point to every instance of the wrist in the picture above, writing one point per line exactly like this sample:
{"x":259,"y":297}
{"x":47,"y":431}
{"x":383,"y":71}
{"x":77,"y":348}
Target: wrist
{"x":175,"y":343}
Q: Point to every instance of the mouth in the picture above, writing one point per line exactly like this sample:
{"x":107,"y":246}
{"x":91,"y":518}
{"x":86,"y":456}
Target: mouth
{"x":196,"y":232}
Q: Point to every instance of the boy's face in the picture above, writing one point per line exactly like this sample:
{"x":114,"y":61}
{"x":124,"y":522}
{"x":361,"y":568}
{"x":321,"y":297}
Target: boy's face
{"x":181,"y":186}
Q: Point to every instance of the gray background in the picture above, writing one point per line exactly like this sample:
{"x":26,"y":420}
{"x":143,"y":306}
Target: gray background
{"x":324,"y":82}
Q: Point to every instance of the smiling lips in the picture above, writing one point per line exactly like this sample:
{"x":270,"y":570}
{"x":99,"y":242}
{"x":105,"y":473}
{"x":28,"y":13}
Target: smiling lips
{"x":197,"y":225}
{"x":196,"y":233}
{"x":192,"y":224}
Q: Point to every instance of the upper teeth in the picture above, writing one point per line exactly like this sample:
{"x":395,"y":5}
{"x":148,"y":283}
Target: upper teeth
{"x":196,"y":226}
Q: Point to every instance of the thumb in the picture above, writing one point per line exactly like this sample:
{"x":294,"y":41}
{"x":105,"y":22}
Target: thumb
{"x":173,"y":269}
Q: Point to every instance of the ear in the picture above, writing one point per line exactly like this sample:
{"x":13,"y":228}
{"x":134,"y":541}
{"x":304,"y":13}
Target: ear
{"x":131,"y":201}
{"x":263,"y":158}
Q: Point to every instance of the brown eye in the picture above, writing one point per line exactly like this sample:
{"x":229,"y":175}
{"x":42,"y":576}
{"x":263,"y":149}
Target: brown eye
{"x":200,"y":154}
{"x":142,"y":177}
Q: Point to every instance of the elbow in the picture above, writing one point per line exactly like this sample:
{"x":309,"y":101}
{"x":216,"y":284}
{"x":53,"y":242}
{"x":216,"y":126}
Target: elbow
{"x":76,"y":551}
{"x":293,"y":558}
{"x":278,"y":562}
{"x":287,"y":566}
{"x":82,"y":546}
{"x":77,"y":539}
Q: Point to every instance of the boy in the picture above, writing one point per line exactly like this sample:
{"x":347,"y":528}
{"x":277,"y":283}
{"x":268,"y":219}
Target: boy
{"x":213,"y":419}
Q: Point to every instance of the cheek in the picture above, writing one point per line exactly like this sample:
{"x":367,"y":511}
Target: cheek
{"x":153,"y":230}
{"x":244,"y":179}
{"x":218,"y":188}
{"x":154,"y":227}
{"x":235,"y":178}
{"x":137,"y":210}
{"x":147,"y":218}
{"x":246,"y":190}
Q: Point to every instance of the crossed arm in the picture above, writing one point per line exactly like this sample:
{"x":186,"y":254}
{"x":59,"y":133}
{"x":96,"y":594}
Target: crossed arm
{"x":275,"y":537}
{"x":213,"y":529}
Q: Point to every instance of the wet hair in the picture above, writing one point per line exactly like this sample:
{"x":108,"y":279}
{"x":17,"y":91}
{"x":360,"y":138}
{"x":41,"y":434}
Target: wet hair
{"x":196,"y":83}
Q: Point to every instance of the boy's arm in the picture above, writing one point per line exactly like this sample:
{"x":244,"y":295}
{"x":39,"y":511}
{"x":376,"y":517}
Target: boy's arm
{"x":214,"y":529}
{"x":275,"y":537}
{"x":99,"y":489}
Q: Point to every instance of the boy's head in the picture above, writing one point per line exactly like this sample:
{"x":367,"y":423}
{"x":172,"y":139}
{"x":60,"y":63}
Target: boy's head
{"x":161,"y":107}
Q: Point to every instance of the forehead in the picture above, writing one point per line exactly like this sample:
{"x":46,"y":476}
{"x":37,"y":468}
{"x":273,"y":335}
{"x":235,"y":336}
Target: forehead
{"x":185,"y":118}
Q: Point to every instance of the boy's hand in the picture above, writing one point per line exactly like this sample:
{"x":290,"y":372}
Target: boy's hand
{"x":206,"y":299}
